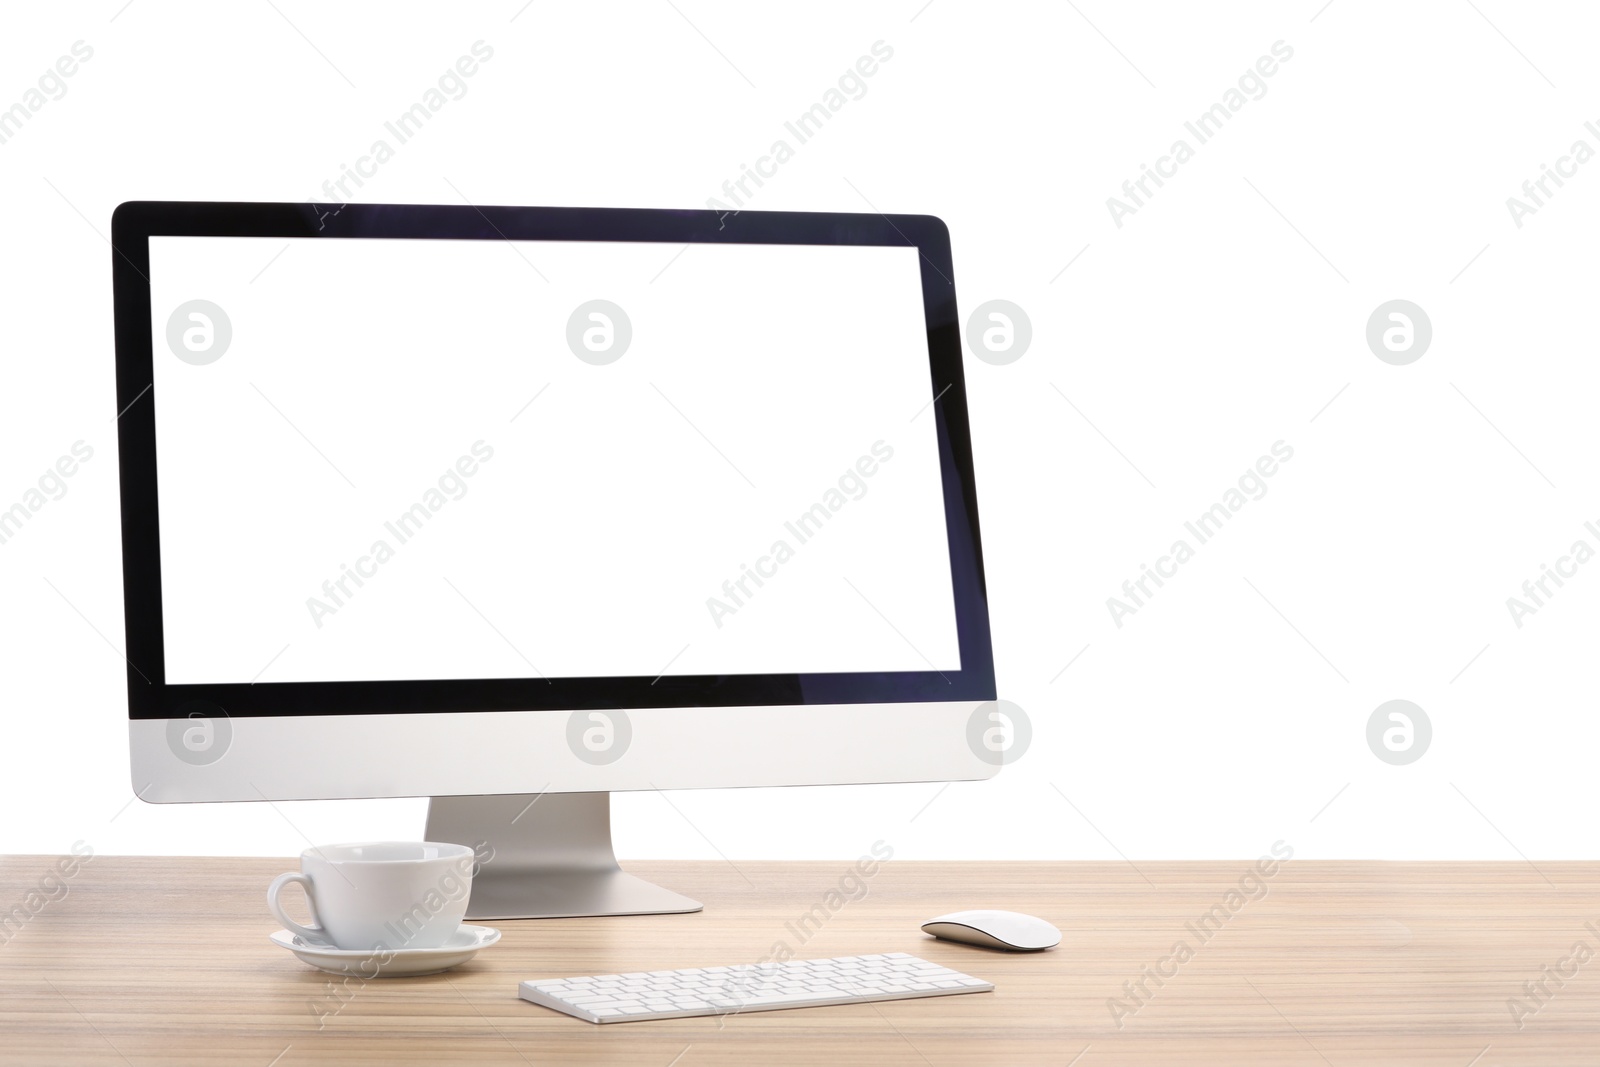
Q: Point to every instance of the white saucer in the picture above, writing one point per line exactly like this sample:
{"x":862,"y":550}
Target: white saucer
{"x":390,"y":963}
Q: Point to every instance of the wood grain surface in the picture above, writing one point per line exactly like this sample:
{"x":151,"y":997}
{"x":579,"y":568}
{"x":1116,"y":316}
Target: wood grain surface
{"x":166,"y":961}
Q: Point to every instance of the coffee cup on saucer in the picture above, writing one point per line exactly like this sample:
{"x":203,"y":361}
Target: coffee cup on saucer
{"x":385,"y":896}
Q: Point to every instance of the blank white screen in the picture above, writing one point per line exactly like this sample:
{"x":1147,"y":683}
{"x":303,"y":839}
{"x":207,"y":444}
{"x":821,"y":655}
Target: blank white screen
{"x":606,"y":505}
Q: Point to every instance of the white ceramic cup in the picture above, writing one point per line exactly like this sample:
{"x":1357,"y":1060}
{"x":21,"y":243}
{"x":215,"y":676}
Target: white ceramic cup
{"x":384,"y":895}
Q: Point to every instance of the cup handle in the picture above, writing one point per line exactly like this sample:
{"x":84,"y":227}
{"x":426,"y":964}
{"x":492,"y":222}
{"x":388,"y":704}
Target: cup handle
{"x":310,"y":933}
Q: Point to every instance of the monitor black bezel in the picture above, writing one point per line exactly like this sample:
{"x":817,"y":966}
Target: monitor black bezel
{"x":150,"y":697}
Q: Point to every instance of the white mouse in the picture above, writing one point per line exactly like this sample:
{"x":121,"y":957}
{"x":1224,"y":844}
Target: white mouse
{"x":995,"y":929}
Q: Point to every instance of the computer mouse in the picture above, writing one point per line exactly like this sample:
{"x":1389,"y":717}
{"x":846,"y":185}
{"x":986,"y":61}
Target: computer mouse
{"x":995,"y":929}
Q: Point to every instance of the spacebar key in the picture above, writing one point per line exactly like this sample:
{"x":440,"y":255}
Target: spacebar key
{"x":807,"y":997}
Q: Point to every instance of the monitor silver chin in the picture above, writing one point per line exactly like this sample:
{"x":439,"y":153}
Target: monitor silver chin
{"x":335,"y":757}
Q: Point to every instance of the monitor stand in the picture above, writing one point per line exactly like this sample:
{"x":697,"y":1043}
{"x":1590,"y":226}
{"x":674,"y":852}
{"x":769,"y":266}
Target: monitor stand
{"x":548,"y":857}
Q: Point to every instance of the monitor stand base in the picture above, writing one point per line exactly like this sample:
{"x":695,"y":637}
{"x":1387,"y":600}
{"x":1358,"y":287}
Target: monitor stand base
{"x":545,"y":856}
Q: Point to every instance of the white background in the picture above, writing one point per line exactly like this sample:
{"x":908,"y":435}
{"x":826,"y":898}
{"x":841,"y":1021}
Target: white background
{"x":1167,"y":355}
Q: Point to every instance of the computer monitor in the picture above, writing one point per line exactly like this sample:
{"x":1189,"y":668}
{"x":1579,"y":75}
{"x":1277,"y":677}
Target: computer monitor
{"x":513,"y":507}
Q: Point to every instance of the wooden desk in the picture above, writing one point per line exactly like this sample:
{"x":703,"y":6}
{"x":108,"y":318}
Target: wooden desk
{"x":166,"y":961}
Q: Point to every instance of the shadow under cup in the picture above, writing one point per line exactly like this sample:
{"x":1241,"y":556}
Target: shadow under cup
{"x":380,"y":896}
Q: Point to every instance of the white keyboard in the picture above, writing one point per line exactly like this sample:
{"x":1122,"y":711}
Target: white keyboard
{"x":621,"y":998}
